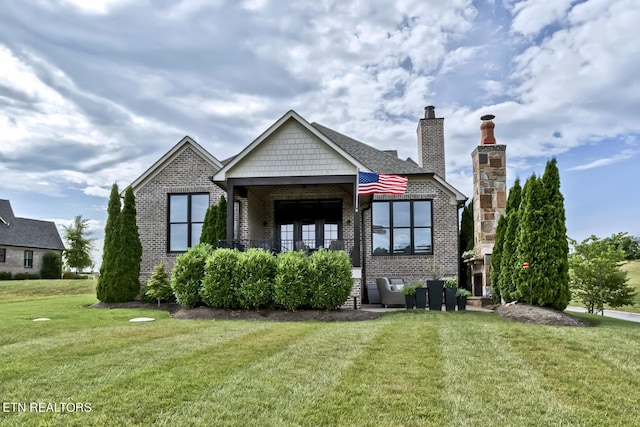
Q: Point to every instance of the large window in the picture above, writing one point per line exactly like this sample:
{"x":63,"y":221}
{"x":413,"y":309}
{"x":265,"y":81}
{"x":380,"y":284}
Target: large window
{"x":28,"y":259}
{"x":3,"y":254}
{"x":186,"y":216}
{"x":402,"y":228}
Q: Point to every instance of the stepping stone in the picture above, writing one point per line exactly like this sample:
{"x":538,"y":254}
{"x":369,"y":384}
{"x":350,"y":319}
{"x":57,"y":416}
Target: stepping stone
{"x":41,"y":319}
{"x":142,"y":319}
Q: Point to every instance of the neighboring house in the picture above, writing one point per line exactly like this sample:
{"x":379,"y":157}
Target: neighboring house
{"x":24,"y":241}
{"x":296,"y":187}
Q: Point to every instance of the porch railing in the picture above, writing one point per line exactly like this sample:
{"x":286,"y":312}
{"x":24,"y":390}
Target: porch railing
{"x":276,"y":247}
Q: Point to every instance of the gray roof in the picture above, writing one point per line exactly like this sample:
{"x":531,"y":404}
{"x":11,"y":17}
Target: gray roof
{"x":376,"y":160}
{"x":28,"y":233}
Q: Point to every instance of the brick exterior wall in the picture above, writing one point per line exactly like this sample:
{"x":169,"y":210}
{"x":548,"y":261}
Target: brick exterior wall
{"x":445,"y":237}
{"x":14,"y":259}
{"x":188,"y":172}
{"x":431,"y":145}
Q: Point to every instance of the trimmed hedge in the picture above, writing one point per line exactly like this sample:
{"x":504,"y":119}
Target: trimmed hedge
{"x":187,"y":275}
{"x":26,"y":276}
{"x":5,"y":275}
{"x":331,"y":280}
{"x":292,"y":280}
{"x":256,"y":273}
{"x":220,"y":279}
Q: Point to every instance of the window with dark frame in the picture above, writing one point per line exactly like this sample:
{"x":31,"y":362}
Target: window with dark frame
{"x":28,"y":259}
{"x":3,"y":255}
{"x":402,"y":227}
{"x":185,"y":213}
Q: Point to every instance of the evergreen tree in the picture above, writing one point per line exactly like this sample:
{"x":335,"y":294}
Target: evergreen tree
{"x":555,"y":263}
{"x":466,"y":244}
{"x":129,"y":255}
{"x":496,"y":255}
{"x":208,"y":234}
{"x":532,"y":284}
{"x":504,"y":280}
{"x":51,"y":265}
{"x":107,"y":282}
{"x":221,"y":220}
{"x":79,"y":245}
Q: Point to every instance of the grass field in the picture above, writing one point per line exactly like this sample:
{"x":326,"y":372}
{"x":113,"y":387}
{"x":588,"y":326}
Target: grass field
{"x":407,"y":368}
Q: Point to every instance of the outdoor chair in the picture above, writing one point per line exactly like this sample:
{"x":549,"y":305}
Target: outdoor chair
{"x":390,"y":293}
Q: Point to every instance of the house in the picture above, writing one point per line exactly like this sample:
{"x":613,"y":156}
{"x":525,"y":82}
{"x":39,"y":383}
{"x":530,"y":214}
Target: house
{"x":296,"y":186}
{"x":23,"y":241}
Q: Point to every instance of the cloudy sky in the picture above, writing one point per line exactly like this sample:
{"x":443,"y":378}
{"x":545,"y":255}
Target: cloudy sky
{"x":94,"y":91}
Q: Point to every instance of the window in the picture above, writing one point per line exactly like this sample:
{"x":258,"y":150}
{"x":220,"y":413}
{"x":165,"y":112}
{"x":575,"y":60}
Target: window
{"x":3,"y":254}
{"x":28,"y":259}
{"x":402,"y":228}
{"x":186,"y":216}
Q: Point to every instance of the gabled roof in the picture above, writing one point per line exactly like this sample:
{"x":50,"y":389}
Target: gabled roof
{"x":183,"y":144}
{"x":29,"y":233}
{"x":290,"y":115}
{"x":374,"y":159}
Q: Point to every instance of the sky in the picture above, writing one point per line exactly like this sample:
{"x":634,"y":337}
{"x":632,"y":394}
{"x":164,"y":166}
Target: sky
{"x":93,"y":92}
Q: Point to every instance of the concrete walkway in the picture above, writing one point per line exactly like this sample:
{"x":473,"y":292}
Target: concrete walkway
{"x":632,"y":317}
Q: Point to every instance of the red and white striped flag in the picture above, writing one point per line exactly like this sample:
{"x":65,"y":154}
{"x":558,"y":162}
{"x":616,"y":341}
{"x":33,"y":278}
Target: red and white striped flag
{"x":374,"y":183}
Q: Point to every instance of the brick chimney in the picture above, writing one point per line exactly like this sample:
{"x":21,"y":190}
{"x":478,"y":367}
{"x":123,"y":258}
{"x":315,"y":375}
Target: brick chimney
{"x":431,"y":142}
{"x":489,"y":201}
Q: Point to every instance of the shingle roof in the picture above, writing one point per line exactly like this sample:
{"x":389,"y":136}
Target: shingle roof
{"x":376,"y":160}
{"x":25,"y":232}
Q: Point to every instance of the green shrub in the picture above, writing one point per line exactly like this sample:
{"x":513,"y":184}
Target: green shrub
{"x":51,"y":265}
{"x":187,"y":275}
{"x":67,"y":275}
{"x":158,"y":286}
{"x":220,"y":279}
{"x":256,"y":273}
{"x":5,"y":275}
{"x":291,"y":286}
{"x":331,"y":280}
{"x":26,"y":276}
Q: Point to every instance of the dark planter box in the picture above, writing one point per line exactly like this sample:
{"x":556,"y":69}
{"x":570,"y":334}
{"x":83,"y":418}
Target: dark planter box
{"x":435,"y":294}
{"x":421,"y":298}
{"x":409,"y":301}
{"x":462,"y":303}
{"x":373,"y":294}
{"x":450,"y":298}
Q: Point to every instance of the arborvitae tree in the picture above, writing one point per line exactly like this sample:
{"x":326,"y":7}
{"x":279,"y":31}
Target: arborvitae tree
{"x":208,"y":234}
{"x":79,"y":245}
{"x":555,"y":263}
{"x":221,"y":221}
{"x":51,"y":265}
{"x":496,"y":255}
{"x":503,"y":280}
{"x":466,"y":244}
{"x":106,"y":289}
{"x":130,"y":249}
{"x":532,"y":283}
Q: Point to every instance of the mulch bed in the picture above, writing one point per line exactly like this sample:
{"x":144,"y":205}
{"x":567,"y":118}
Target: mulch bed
{"x":535,"y":315}
{"x":179,"y":312}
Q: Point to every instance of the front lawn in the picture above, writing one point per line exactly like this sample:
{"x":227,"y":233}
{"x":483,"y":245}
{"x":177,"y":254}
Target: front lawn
{"x":407,"y":368}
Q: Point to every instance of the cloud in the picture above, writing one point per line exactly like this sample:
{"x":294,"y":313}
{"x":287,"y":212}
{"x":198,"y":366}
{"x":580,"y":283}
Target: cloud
{"x":624,"y":155}
{"x":531,"y":16}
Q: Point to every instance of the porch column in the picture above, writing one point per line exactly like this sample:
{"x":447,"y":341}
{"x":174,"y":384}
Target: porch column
{"x":230,"y":208}
{"x":355,"y":256}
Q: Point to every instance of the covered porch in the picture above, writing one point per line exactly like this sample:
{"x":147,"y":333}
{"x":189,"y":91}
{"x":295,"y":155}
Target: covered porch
{"x":294,"y":213}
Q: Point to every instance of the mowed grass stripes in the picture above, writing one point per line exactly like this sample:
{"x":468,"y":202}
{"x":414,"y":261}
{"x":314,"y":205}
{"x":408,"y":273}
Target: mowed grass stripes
{"x":407,"y":368}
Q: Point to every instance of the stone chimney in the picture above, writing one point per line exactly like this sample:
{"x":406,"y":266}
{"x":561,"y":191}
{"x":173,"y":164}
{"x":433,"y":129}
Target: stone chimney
{"x":489,"y":201}
{"x":431,"y":142}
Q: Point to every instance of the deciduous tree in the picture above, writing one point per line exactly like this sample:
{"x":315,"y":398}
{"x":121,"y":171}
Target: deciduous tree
{"x":78,"y":244}
{"x":595,"y":274}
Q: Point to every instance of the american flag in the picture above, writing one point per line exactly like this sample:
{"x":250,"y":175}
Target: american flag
{"x":374,"y":183}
